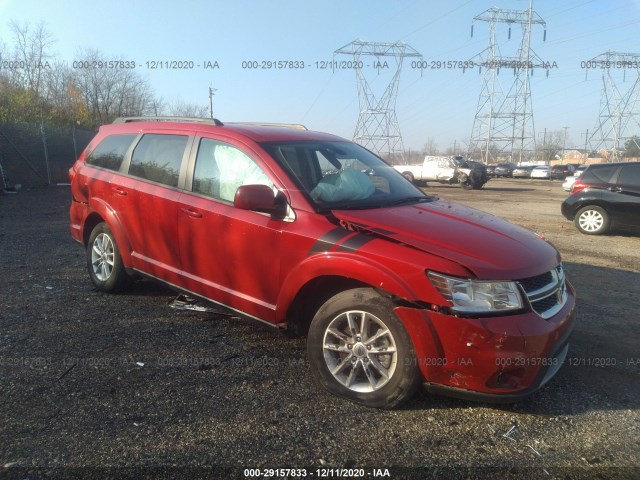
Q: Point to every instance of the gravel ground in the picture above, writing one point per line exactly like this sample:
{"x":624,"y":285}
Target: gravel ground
{"x":115,"y":386}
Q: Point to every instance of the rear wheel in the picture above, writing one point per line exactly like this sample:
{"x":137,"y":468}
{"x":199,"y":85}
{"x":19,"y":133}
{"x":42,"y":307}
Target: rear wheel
{"x":103,"y":260}
{"x":408,"y":176}
{"x":592,"y":220}
{"x":359,"y":350}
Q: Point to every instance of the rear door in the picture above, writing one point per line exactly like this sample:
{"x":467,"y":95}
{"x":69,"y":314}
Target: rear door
{"x":229,"y":255}
{"x":157,"y":168}
{"x":627,"y":190}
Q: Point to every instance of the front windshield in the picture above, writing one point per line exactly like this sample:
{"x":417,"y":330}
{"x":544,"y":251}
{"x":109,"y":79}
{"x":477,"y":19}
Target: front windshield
{"x":343,"y":175}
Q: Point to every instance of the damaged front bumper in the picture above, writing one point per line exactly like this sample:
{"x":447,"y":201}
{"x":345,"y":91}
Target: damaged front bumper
{"x":494,"y":359}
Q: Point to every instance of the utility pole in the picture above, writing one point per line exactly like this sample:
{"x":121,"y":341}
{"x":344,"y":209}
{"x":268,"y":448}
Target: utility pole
{"x":564,"y":144}
{"x":211,"y":94}
{"x":586,"y":141}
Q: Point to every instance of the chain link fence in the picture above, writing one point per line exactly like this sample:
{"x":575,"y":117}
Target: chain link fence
{"x":35,"y":155}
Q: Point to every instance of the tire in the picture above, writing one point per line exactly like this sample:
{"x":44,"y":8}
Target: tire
{"x":345,"y":346}
{"x":408,"y":176}
{"x":104,"y":262}
{"x":592,"y":220}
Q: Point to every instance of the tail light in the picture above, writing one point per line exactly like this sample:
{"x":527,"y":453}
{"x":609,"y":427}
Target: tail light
{"x":578,"y":186}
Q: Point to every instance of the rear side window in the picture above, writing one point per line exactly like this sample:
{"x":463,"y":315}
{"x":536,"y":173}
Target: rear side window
{"x":629,"y":175}
{"x":599,"y":174}
{"x":111,"y":151}
{"x":158,"y":158}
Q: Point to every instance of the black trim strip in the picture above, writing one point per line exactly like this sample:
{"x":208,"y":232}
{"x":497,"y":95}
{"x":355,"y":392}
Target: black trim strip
{"x":354,"y":243}
{"x":382,"y":231}
{"x":328,"y":240}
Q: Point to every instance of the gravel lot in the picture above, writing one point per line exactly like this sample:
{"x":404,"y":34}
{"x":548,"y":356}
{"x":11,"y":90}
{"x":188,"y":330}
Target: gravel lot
{"x":95,"y":385}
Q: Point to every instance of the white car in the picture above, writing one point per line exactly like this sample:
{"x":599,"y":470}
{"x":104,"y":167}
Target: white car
{"x":568,"y":183}
{"x":540,"y":171}
{"x":571,"y":179}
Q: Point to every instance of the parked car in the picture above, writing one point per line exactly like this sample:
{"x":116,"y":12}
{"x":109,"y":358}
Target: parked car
{"x":540,"y":171}
{"x":605,"y":196}
{"x":567,"y":185}
{"x":579,"y":169}
{"x":560,"y":172}
{"x":570,"y":180}
{"x":491,"y":170}
{"x":311,"y":233}
{"x":504,"y":169}
{"x":447,"y":170}
{"x":522,"y":172}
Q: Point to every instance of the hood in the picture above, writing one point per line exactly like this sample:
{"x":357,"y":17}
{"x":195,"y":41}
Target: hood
{"x":490,"y":247}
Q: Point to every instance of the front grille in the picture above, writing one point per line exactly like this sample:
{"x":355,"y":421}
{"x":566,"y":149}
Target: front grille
{"x":547,"y":293}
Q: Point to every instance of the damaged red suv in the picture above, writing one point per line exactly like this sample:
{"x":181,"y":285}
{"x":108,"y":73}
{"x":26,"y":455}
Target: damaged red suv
{"x":314,"y":234}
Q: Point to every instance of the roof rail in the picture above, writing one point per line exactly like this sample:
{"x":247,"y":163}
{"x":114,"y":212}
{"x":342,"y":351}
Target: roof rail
{"x":208,"y":121}
{"x":297,"y":126}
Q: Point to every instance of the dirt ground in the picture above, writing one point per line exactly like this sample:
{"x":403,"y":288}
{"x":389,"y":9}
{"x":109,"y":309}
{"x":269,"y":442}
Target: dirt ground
{"x":115,"y":386}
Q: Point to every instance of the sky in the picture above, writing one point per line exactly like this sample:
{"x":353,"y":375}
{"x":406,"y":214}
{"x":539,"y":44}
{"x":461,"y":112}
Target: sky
{"x":435,"y":103}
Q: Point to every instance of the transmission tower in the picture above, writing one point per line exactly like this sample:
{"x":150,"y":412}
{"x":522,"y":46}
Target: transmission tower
{"x":617,"y":110}
{"x":503,"y":124}
{"x":377,"y":128}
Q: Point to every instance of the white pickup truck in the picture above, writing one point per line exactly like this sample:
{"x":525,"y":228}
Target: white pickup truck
{"x":449,"y":170}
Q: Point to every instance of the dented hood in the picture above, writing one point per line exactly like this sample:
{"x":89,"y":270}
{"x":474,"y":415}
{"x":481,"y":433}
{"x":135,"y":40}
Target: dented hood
{"x":488,"y":246}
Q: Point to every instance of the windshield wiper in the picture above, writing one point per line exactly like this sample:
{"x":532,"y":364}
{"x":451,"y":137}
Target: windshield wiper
{"x":414,"y":199}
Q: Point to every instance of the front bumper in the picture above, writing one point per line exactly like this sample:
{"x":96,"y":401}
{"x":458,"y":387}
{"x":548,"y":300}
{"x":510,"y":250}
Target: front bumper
{"x":495,"y":359}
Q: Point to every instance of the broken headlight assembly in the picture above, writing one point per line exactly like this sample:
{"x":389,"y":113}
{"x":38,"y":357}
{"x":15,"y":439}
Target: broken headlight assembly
{"x":468,"y":297}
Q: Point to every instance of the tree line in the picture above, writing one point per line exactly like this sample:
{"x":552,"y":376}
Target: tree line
{"x":36,"y":86}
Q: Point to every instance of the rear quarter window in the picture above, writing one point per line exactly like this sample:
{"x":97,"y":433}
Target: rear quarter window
{"x":111,"y":151}
{"x":599,"y":174}
{"x":629,"y":175}
{"x":158,"y":158}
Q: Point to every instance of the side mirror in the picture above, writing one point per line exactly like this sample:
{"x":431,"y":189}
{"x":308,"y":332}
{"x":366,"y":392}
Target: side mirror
{"x":260,"y":198}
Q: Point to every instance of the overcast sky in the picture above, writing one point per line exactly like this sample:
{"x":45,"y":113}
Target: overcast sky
{"x":438,"y":102}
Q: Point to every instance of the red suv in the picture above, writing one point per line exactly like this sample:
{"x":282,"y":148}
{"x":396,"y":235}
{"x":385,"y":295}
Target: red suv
{"x":314,"y":234}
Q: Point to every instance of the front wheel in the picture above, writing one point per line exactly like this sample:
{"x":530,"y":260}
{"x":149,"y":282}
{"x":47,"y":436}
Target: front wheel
{"x":359,"y":350}
{"x":103,"y":260}
{"x":592,"y":220}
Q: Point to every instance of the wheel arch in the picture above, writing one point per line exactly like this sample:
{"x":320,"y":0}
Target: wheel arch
{"x":318,"y":279}
{"x":101,"y":212}
{"x":311,"y":296}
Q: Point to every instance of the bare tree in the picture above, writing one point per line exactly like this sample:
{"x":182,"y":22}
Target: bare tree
{"x":181,"y":108}
{"x":111,"y":92}
{"x":430,"y":147}
{"x":551,"y":145}
{"x":31,"y":54}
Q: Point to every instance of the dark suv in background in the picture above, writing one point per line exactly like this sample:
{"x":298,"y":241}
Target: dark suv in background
{"x":560,"y":172}
{"x":606,"y":195}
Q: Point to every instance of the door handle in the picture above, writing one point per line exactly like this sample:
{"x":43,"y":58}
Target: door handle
{"x":119,"y":191}
{"x":192,"y":213}
{"x":614,"y":189}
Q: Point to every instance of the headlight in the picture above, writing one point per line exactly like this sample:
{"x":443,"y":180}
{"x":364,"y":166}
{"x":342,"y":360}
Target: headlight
{"x":474,"y":296}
